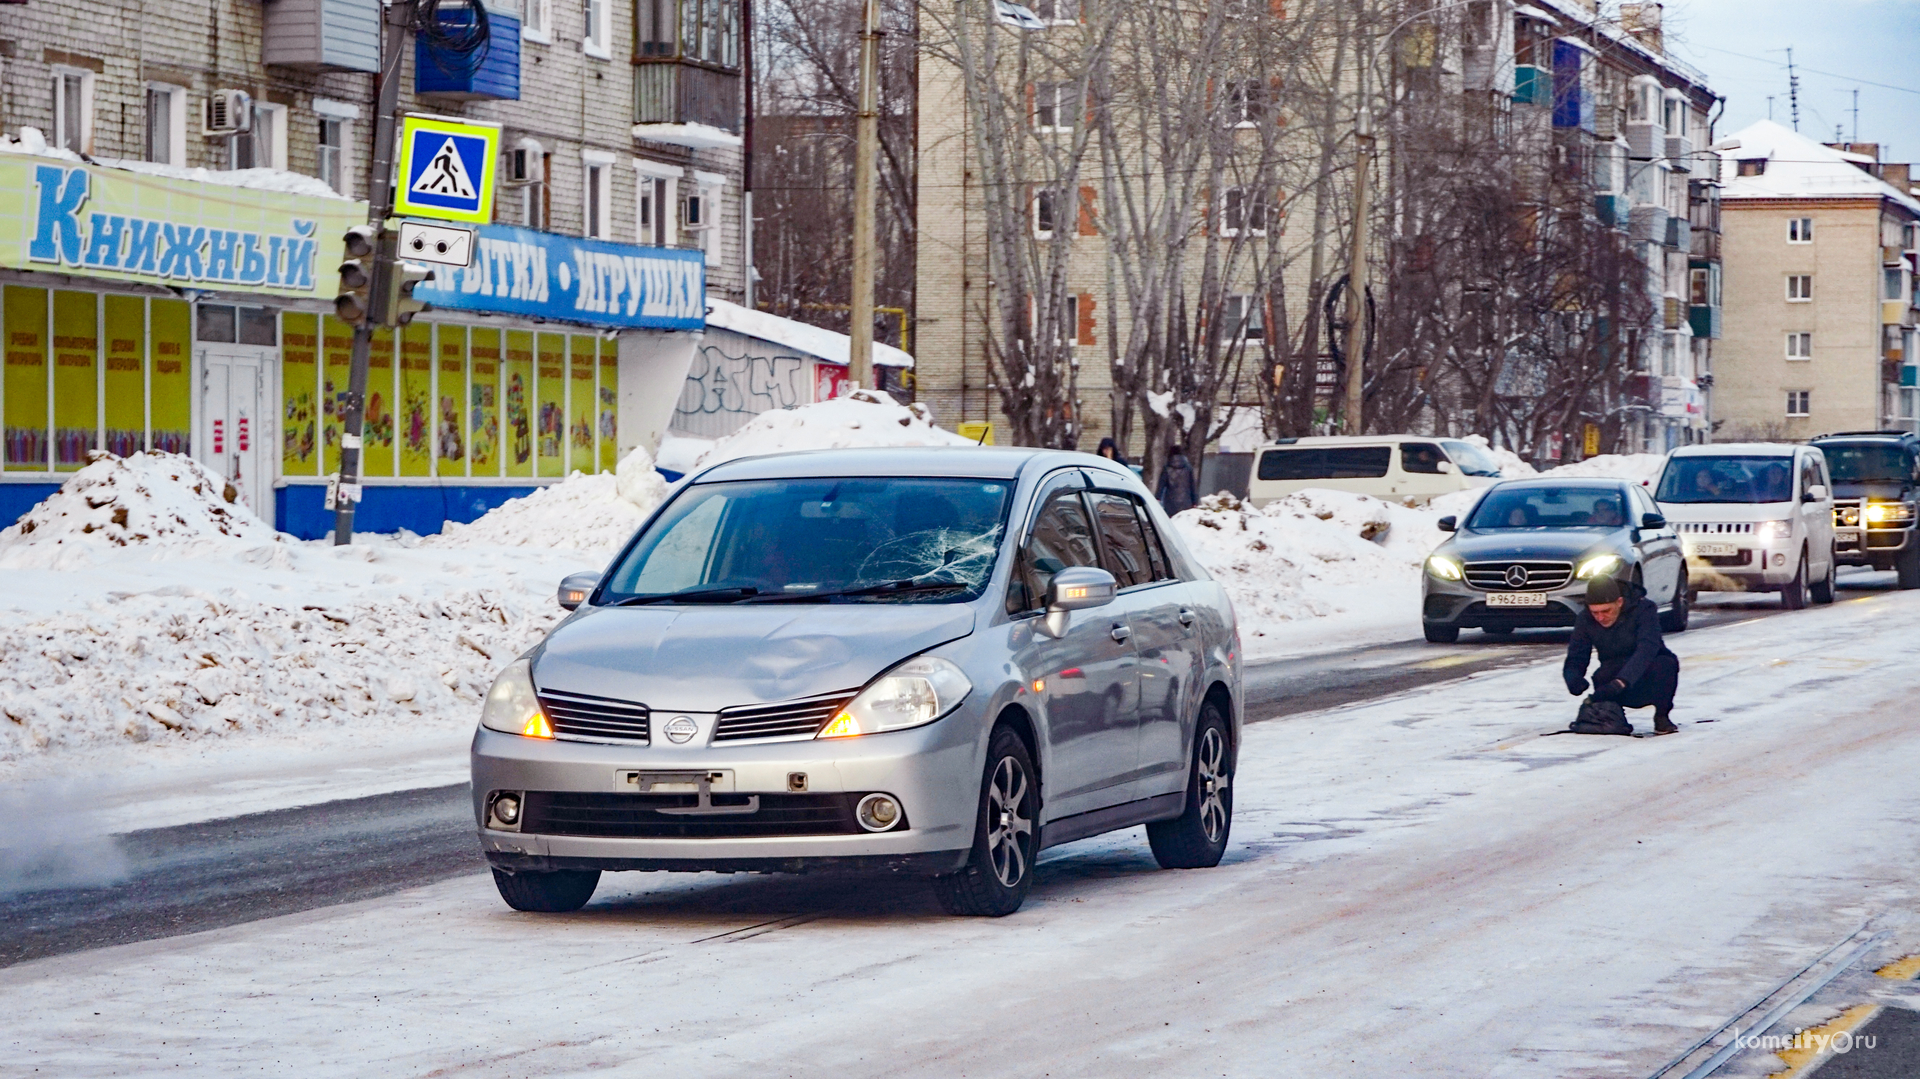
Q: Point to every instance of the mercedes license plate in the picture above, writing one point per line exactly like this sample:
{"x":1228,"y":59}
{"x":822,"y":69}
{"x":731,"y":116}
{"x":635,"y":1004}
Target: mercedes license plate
{"x":1716,"y":550}
{"x":1516,"y":599}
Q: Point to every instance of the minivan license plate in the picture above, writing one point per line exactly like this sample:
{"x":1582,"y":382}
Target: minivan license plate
{"x":1716,"y":550}
{"x":1516,"y":599}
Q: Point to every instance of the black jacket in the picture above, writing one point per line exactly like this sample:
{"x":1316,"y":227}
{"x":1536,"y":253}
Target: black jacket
{"x":1626,"y":648}
{"x":1177,"y":485}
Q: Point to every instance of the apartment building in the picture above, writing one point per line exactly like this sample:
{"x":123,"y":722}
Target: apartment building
{"x":242,"y":129}
{"x":1603,"y":121}
{"x":1822,"y":243}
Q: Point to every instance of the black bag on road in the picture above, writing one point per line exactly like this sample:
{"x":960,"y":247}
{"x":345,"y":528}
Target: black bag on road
{"x":1600,"y":717}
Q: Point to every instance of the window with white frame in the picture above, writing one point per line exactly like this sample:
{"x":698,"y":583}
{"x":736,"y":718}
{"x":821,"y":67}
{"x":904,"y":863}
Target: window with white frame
{"x":264,"y":144}
{"x":1245,"y":210}
{"x":596,"y":191}
{"x":1242,"y":318}
{"x":538,"y":24}
{"x":1800,"y":230}
{"x":1675,"y":119}
{"x":1700,"y":287}
{"x":1799,"y":402}
{"x":1609,"y":169}
{"x":333,"y":143}
{"x":703,"y":213}
{"x":165,"y":134}
{"x":656,"y":196}
{"x":1044,"y":214}
{"x":1246,"y":102}
{"x":598,"y":30}
{"x":73,"y":109}
{"x":1800,"y":346}
{"x":1894,"y":283}
{"x":1070,"y":322}
{"x":1799,"y":287}
{"x":1053,"y":106}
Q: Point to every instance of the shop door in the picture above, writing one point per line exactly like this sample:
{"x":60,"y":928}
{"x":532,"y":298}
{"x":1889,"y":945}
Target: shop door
{"x":232,"y":432}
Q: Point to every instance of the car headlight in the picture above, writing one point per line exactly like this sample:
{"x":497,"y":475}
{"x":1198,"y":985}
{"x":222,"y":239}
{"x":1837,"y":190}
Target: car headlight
{"x":1598,"y":566}
{"x":1889,"y":513}
{"x":1444,"y":568}
{"x":1769,"y":531}
{"x":913,"y":694}
{"x":511,"y":706}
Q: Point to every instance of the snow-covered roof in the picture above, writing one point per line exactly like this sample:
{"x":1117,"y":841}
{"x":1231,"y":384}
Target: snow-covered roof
{"x":1800,"y":168}
{"x":32,"y":141}
{"x":812,"y":340}
{"x":1609,"y":28}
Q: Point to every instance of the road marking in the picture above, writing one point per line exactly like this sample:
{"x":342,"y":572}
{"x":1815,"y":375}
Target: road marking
{"x":1443,"y":662}
{"x":1813,"y":1043}
{"x":1904,"y":970}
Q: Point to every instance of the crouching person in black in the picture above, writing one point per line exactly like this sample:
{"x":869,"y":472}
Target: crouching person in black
{"x":1636,"y":669}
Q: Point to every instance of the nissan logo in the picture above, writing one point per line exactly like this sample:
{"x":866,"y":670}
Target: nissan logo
{"x":681,"y":728}
{"x":1516,"y":576}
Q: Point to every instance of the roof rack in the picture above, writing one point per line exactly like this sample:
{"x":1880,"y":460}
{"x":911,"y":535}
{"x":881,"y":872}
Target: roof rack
{"x":1856,"y":434}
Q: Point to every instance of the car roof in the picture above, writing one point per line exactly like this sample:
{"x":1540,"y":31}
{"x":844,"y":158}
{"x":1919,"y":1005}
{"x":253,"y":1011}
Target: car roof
{"x":1565,"y":481}
{"x":1355,"y":440}
{"x":968,"y":462}
{"x":1737,"y":449}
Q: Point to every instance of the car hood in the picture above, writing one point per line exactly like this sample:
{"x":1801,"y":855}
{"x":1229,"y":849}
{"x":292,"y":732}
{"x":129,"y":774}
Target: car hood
{"x":1532,"y":544}
{"x":705,"y":658}
{"x":1887,"y":492}
{"x":1687,"y":512}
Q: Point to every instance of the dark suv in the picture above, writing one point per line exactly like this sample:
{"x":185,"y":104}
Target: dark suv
{"x":1876,"y":493}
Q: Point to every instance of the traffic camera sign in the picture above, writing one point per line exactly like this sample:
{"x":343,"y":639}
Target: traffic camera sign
{"x":447,"y":168}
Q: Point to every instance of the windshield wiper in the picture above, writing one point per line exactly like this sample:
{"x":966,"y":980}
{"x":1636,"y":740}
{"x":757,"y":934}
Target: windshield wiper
{"x":890,"y":588}
{"x":697,"y":595}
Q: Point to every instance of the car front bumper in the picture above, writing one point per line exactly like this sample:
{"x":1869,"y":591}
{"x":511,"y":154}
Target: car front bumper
{"x":1871,"y":546}
{"x":582,"y":810}
{"x":1757,"y":567}
{"x":1456,"y":603}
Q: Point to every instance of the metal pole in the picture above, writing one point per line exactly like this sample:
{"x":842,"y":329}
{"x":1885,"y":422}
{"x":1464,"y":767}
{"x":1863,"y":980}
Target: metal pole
{"x":746,"y":154}
{"x":1357,"y":258}
{"x":865,"y":147}
{"x":379,"y":204}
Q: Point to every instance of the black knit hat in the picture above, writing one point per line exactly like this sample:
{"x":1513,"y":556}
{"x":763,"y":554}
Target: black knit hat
{"x":1602,"y":590}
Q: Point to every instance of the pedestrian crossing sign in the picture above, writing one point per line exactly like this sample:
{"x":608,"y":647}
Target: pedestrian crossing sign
{"x":446,"y":169}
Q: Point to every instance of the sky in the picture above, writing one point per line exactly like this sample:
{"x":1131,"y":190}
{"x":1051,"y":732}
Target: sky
{"x":1838,"y":45}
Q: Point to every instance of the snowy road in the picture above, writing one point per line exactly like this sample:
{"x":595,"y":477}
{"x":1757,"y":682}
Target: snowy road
{"x":1419,"y":885}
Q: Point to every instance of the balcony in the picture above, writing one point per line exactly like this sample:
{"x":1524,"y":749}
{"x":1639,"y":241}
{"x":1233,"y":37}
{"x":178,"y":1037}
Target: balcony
{"x":1705,"y":320}
{"x":1680,"y":152}
{"x":1675,"y":310}
{"x":322,"y":35}
{"x":1648,"y":224}
{"x":1679,"y":234}
{"x":494,"y":75}
{"x":1532,"y":86}
{"x":1703,"y":244}
{"x":1611,"y":210}
{"x":686,"y":104}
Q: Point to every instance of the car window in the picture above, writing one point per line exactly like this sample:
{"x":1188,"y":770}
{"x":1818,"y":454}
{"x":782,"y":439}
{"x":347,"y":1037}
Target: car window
{"x":1422,"y":458}
{"x":1471,"y":459}
{"x":1062,"y":537}
{"x":1156,"y":547}
{"x":1127,"y":557}
{"x":1742,"y":480}
{"x":1549,"y":507}
{"x":1326,"y":463}
{"x":1868,"y":462}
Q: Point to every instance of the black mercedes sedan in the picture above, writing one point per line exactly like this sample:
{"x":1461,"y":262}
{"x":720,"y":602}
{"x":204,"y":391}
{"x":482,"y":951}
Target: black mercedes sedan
{"x":1523,"y":557}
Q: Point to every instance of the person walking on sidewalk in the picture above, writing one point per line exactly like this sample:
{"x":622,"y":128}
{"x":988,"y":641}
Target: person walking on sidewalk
{"x":1178,"y":485}
{"x":1637,"y":670}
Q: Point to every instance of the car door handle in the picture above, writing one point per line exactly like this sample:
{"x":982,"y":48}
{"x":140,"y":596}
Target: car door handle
{"x":1121,"y":631}
{"x":1186,"y":617}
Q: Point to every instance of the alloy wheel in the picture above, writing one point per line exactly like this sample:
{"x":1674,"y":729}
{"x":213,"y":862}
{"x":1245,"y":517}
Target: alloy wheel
{"x":1009,"y":829}
{"x":1214,"y":782}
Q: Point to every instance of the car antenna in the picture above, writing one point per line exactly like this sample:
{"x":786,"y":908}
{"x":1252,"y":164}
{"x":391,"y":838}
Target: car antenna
{"x":985,"y":430}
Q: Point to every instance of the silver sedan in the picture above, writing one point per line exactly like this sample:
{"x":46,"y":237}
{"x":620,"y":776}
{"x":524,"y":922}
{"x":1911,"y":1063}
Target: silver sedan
{"x":924,"y":661}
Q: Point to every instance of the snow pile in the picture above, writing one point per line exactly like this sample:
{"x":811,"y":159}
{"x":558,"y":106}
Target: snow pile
{"x":862,"y":419}
{"x":587,"y":513}
{"x":1511,"y":464}
{"x":678,"y":453}
{"x":165,"y":502}
{"x":1637,"y":467}
{"x":180,"y":663}
{"x":1312,"y":555}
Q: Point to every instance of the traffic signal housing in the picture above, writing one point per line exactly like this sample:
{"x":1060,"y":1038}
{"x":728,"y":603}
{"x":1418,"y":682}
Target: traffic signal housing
{"x":404,"y":277}
{"x":354,"y":304}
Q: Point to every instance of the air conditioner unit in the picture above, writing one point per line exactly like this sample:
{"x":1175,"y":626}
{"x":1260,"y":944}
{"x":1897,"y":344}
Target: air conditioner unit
{"x":229,"y":112}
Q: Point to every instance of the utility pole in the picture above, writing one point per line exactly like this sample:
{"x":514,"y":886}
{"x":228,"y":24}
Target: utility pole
{"x":865,"y":149}
{"x":1357,"y":258}
{"x":398,"y":17}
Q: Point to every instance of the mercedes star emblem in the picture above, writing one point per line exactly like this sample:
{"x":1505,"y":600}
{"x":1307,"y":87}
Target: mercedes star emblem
{"x":1517,"y":576}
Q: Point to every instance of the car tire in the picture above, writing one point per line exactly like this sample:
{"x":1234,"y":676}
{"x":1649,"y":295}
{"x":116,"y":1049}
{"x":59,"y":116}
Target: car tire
{"x":1676,"y":618}
{"x":1198,"y":836}
{"x":1907,"y":564}
{"x":1441,"y":634}
{"x":554,"y":892}
{"x":999,"y":869}
{"x":1823,"y":588}
{"x":1794,"y":596}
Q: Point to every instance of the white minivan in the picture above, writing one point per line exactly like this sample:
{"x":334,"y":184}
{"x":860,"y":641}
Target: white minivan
{"x":1398,"y":468}
{"x":1755,"y":516}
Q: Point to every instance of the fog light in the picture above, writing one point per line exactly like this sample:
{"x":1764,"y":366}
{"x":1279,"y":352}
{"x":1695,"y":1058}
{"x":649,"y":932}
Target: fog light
{"x":506,"y":810}
{"x":1779,"y":560}
{"x":878,"y":812}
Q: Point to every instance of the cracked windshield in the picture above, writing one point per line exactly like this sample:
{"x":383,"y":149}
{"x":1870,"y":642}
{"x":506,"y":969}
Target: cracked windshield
{"x":922,"y":540}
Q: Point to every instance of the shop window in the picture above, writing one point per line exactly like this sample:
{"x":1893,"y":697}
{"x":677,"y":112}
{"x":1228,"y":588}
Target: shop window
{"x":229,"y":325}
{"x":550,"y":385}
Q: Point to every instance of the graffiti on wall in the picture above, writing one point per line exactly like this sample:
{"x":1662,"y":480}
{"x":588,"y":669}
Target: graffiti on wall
{"x":723,"y":390}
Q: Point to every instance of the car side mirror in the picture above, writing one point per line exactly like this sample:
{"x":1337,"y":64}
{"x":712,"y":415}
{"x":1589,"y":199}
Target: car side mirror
{"x":575,"y":589}
{"x":1653,"y":520}
{"x":1817,"y":492}
{"x":1076,"y":588}
{"x":1448,"y":524}
{"x":1443,"y":467}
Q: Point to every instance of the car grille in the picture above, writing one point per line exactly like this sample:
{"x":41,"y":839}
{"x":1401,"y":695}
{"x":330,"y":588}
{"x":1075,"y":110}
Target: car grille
{"x":789,"y":719}
{"x":1710,"y":528}
{"x":580,"y":717}
{"x":637,"y":816}
{"x":1541,"y":576}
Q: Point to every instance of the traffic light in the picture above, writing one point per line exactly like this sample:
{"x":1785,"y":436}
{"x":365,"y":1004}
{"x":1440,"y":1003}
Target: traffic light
{"x":355,"y":301}
{"x":403,"y":278}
